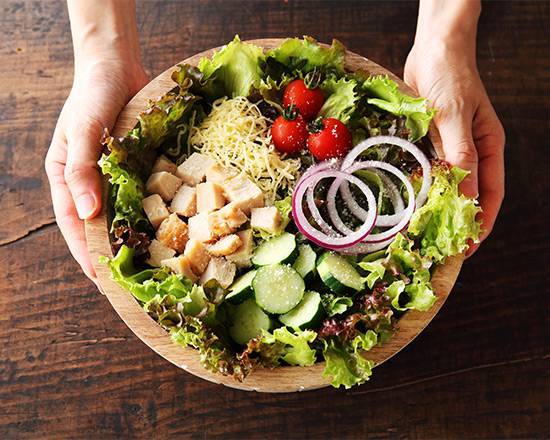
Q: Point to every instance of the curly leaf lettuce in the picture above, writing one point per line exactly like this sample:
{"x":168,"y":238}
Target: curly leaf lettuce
{"x":148,"y":283}
{"x":385,"y":95}
{"x":345,"y":364}
{"x":296,"y":349}
{"x":447,"y":221}
{"x":335,"y":305}
{"x":306,"y":55}
{"x":236,"y":68}
{"x":341,"y":98}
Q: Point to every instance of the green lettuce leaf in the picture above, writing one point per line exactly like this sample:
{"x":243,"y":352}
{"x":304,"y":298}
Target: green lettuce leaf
{"x":236,"y":68}
{"x":376,"y":271}
{"x":307,"y":54}
{"x":296,"y":349}
{"x":385,"y":95}
{"x":447,"y":221}
{"x":215,"y":352}
{"x":401,"y":253}
{"x":335,"y":305}
{"x":148,"y":283}
{"x":345,"y":365}
{"x":160,"y":120}
{"x":341,"y":98}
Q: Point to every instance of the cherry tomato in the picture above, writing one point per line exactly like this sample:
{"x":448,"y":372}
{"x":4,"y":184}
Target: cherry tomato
{"x":307,"y":101}
{"x":329,"y":138}
{"x":289,"y":132}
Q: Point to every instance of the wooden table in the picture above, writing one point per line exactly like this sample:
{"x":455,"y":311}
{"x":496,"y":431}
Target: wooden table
{"x":70,"y":368}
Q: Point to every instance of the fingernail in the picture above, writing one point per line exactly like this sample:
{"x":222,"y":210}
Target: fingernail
{"x":85,"y":206}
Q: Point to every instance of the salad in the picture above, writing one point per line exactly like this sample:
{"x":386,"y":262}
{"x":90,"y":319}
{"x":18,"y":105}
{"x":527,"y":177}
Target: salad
{"x":275,"y":209}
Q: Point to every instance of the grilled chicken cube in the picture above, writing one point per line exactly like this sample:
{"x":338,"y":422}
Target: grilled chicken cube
{"x":164,"y":164}
{"x":155,"y":209}
{"x":244,"y":193}
{"x":221,"y":270}
{"x":267,"y":219}
{"x":173,"y":233}
{"x":157,"y":252}
{"x":163,"y":184}
{"x":185,"y":201}
{"x":199,"y":228}
{"x":181,"y":265}
{"x":241,"y":257}
{"x":226,"y":220}
{"x":197,"y":255}
{"x":225,"y":245}
{"x":218,"y":173}
{"x":209,"y":197}
{"x":193,"y":170}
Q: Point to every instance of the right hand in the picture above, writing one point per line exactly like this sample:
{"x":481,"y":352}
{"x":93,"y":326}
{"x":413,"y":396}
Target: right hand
{"x":100,"y":91}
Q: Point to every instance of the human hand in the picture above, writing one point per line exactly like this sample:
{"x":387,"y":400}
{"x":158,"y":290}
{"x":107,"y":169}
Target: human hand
{"x":100,"y":90}
{"x":444,"y":71}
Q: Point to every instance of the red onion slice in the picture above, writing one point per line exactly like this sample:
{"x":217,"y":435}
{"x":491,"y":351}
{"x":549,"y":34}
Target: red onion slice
{"x":394,"y":196}
{"x":331,"y":241}
{"x":366,"y":248}
{"x":389,"y":233}
{"x":405,"y":145}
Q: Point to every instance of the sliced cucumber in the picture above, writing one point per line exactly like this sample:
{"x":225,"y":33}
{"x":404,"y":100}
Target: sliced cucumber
{"x":307,"y":314}
{"x":338,"y":274}
{"x":280,"y":249}
{"x":305,"y":262}
{"x":278,"y":288}
{"x":248,"y":321}
{"x":241,"y":289}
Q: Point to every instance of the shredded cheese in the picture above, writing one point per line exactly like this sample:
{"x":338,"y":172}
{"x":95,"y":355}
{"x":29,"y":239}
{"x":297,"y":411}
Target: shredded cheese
{"x":237,"y":135}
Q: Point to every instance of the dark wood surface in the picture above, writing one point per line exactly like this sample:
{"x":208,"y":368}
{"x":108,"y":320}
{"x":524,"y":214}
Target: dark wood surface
{"x":70,"y":368}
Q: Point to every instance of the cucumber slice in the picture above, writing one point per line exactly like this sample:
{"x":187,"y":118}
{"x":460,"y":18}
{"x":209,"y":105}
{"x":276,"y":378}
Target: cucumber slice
{"x":241,"y":289}
{"x":338,"y":274}
{"x":305,"y":262}
{"x":248,"y":321}
{"x":307,"y":314}
{"x":278,"y":288}
{"x":280,"y":249}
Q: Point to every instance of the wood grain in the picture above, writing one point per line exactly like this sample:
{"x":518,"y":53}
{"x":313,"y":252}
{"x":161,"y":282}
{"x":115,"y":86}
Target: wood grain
{"x":279,"y":380}
{"x":70,"y":368}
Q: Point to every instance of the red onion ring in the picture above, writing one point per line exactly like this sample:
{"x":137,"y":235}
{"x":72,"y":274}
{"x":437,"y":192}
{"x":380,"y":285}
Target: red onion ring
{"x":389,"y":233}
{"x":332,"y":241}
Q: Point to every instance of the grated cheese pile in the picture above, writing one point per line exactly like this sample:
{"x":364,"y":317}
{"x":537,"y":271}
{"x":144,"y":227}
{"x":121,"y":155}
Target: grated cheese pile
{"x":237,"y":135}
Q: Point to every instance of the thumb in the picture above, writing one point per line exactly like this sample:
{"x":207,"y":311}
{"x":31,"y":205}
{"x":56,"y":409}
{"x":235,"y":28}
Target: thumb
{"x":459,"y":148}
{"x":81,"y":172}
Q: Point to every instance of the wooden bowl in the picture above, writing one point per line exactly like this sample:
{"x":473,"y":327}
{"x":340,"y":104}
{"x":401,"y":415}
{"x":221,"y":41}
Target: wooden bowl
{"x":279,"y":380}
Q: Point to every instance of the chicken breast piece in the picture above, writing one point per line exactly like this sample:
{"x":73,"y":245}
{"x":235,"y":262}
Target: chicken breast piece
{"x":209,"y":197}
{"x":221,"y":270}
{"x":155,"y":209}
{"x":243,"y":254}
{"x":267,"y":219}
{"x":199,"y":228}
{"x":193,"y":170}
{"x":163,"y":184}
{"x":172,"y":232}
{"x":244,"y":193}
{"x":185,"y":201}
{"x":164,"y":164}
{"x":226,"y":220}
{"x":218,"y":173}
{"x":196,"y":252}
{"x":225,"y":245}
{"x":181,"y":265}
{"x":157,"y":252}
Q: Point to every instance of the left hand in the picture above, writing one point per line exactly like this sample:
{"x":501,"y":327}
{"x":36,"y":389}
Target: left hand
{"x":445,"y":72}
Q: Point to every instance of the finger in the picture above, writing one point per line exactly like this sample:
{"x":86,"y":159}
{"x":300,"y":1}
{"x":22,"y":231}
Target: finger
{"x":455,"y":127}
{"x":71,"y":227}
{"x":491,"y":169}
{"x":81,"y":171}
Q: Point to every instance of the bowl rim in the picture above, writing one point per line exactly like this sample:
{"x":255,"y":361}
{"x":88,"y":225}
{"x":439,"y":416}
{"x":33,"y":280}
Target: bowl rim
{"x":282,"y":379}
